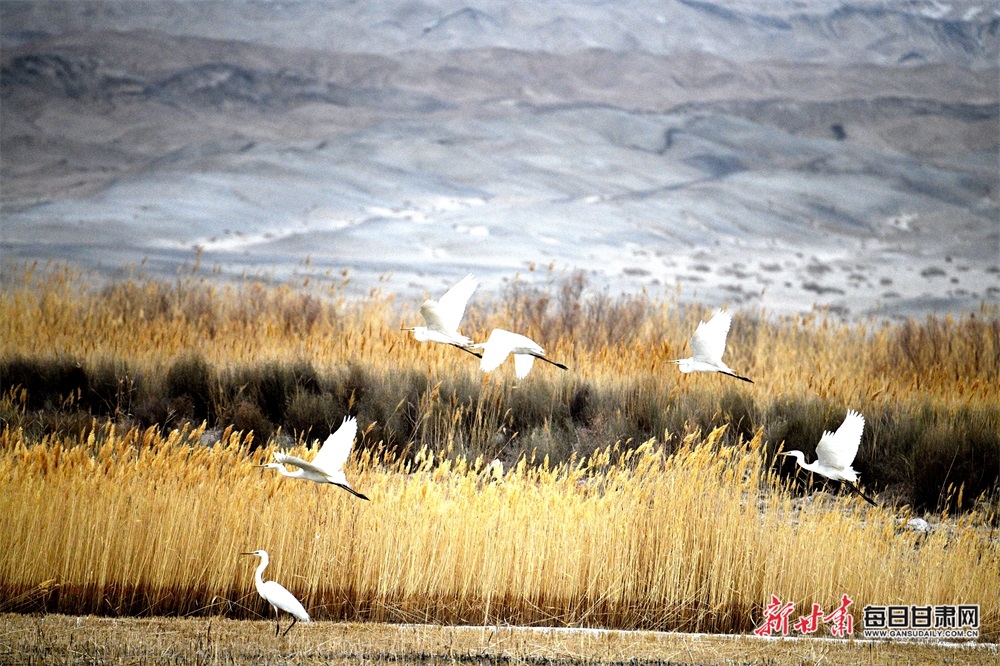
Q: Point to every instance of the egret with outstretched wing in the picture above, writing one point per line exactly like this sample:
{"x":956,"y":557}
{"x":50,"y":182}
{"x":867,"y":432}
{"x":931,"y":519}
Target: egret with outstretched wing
{"x":836,"y":451}
{"x":444,"y":316}
{"x":503,"y":343}
{"x":707,"y":346}
{"x":328,"y":464}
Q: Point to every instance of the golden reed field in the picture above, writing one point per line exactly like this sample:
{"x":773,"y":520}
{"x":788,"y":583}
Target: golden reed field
{"x":631,"y":497}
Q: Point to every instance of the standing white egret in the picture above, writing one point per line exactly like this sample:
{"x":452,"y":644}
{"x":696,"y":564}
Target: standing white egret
{"x":502,"y":343}
{"x":328,"y":464}
{"x":276,"y":595}
{"x":707,"y":346}
{"x":444,"y":315}
{"x":836,"y":451}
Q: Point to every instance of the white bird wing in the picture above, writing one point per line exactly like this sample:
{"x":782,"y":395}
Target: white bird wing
{"x":522,"y":364}
{"x":501,"y":343}
{"x":446,"y":313}
{"x":307,"y":467}
{"x":838,"y":449}
{"x":286,"y":459}
{"x":279,"y":597}
{"x":709,"y":340}
{"x":337,"y":447}
{"x":495,"y":349}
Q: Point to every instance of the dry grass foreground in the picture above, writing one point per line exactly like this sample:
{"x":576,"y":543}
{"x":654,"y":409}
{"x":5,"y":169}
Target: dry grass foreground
{"x":696,"y":540}
{"x":59,"y":639}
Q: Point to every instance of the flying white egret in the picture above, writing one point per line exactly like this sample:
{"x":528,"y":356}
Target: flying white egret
{"x":502,"y":343}
{"x":835,"y":453}
{"x":444,"y":315}
{"x":275,"y":594}
{"x":328,"y":464}
{"x":707,"y":346}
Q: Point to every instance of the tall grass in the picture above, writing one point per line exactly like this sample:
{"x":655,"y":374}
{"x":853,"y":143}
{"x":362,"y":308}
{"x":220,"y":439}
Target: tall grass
{"x":294,"y":359}
{"x":634,"y":496}
{"x":695,"y":539}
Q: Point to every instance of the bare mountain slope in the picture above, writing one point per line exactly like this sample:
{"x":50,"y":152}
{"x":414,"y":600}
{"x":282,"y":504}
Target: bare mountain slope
{"x":770,"y":156}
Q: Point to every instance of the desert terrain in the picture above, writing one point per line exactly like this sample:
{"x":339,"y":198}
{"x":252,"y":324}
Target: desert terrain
{"x":770,"y":156}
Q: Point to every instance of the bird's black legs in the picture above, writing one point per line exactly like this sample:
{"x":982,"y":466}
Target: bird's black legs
{"x":294,"y":620}
{"x":733,"y":374}
{"x":466,"y":349}
{"x":277,"y":623}
{"x":352,"y":491}
{"x":548,"y":360}
{"x":855,"y":488}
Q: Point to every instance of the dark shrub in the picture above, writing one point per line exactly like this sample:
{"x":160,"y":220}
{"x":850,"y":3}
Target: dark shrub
{"x":642,"y":415}
{"x":740,"y":411}
{"x":190,"y":378}
{"x":273,"y":386}
{"x":312,"y":416}
{"x":166,"y":413}
{"x":113,"y":389}
{"x":247,"y":416}
{"x":353,"y":388}
{"x":960,"y":451}
{"x":67,"y":379}
{"x":151,"y":411}
{"x":67,"y":423}
{"x":798,"y":424}
{"x":305,"y":377}
{"x":49,"y":382}
{"x":399,"y":415}
{"x":581,"y":406}
{"x":27,"y":374}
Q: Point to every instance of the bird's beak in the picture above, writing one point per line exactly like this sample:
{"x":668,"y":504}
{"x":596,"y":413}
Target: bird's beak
{"x":406,"y":328}
{"x":246,"y":553}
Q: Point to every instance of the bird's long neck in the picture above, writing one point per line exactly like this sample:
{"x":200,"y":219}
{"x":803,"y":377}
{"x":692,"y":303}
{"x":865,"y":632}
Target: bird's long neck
{"x":801,"y":459}
{"x":258,"y":578}
{"x":294,"y":474}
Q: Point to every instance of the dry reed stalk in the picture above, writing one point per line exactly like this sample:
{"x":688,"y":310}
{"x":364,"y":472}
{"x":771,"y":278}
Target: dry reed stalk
{"x":147,"y":325}
{"x":132,"y":522}
{"x":929,"y":390}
